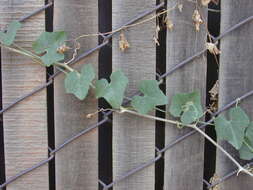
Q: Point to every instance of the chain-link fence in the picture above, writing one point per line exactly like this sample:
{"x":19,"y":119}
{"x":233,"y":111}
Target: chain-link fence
{"x":106,"y":114}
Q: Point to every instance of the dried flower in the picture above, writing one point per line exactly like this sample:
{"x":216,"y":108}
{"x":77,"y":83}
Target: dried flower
{"x":89,"y":116}
{"x":215,"y":1}
{"x":123,"y":43}
{"x":212,"y":48}
{"x":156,"y":36}
{"x":169,"y":23}
{"x":180,"y":7}
{"x":197,"y":20}
{"x":205,"y":2}
{"x":213,"y":180}
{"x":156,"y":41}
{"x":214,"y":93}
{"x":62,"y":49}
{"x":215,"y":90}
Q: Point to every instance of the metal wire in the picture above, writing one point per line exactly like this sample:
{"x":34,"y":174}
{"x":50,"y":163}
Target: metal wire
{"x":22,"y":19}
{"x":106,"y":114}
{"x":229,"y":175}
{"x":13,"y":178}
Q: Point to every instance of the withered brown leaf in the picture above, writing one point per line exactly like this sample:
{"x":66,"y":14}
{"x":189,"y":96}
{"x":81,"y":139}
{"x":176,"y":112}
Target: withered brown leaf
{"x":196,"y":17}
{"x":212,"y":48}
{"x":123,"y":43}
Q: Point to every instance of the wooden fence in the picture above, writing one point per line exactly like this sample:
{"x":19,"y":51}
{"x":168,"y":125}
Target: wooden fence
{"x":123,"y":152}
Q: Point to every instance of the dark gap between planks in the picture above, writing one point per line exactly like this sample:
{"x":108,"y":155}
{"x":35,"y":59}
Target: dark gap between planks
{"x":160,"y":126}
{"x":50,"y":102}
{"x":212,"y":77}
{"x":104,"y":71}
{"x":2,"y":158}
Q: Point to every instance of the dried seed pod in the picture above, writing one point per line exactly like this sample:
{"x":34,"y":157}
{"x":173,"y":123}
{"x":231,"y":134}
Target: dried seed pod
{"x":196,"y":17}
{"x":62,"y":49}
{"x":156,"y":36}
{"x":212,"y":48}
{"x":169,"y":23}
{"x":215,"y":90}
{"x":213,"y":180}
{"x":123,"y":43}
{"x":180,"y":7}
{"x":156,"y":41}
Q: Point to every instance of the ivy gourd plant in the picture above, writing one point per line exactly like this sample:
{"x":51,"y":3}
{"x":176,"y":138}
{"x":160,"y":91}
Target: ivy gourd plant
{"x":237,"y":130}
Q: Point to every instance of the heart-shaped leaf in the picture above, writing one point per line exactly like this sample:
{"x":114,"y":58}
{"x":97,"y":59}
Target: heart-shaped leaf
{"x":187,"y":106}
{"x":49,"y":39}
{"x":232,"y":130}
{"x":48,"y":43}
{"x":246,"y":151}
{"x":8,"y":37}
{"x":114,"y":91}
{"x":79,"y":83}
{"x":153,"y":97}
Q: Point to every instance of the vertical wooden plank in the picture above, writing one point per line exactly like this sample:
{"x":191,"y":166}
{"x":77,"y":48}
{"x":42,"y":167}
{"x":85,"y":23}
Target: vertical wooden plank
{"x":77,"y":163}
{"x":235,"y":78}
{"x":184,"y":162}
{"x":25,"y":125}
{"x":133,"y":137}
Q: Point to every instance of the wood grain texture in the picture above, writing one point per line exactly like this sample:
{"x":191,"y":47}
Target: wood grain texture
{"x":184,"y":162}
{"x":25,"y":125}
{"x":235,"y":78}
{"x":133,"y":137}
{"x":77,"y":163}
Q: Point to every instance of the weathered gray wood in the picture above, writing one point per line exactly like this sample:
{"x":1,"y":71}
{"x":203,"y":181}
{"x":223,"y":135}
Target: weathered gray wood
{"x":184,"y":162}
{"x":235,"y":78}
{"x":25,"y":125}
{"x":76,"y":164}
{"x":133,"y":137}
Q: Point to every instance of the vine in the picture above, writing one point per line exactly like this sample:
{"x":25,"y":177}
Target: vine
{"x":49,"y":49}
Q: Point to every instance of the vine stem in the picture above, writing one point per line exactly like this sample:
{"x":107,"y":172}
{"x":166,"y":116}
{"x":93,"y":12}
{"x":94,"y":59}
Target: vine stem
{"x":240,"y":168}
{"x":127,"y":26}
{"x":124,"y":110}
{"x":249,"y":146}
{"x":34,"y":57}
{"x":194,"y":126}
{"x":25,"y":53}
{"x":65,"y":66}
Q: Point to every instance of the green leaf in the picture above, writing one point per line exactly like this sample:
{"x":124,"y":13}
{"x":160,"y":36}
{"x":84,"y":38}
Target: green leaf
{"x":114,"y":91}
{"x":79,"y":83}
{"x":153,"y":97}
{"x":49,"y":42}
{"x":100,"y":87}
{"x":232,"y":130}
{"x":246,"y":151}
{"x":187,"y":106}
{"x":51,"y":57}
{"x":249,"y":132}
{"x":7,"y":38}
